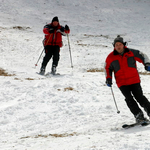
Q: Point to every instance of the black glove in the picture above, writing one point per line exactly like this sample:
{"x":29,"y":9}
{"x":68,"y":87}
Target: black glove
{"x":66,"y":27}
{"x":62,"y":29}
{"x":109,"y":82}
{"x":51,"y":30}
{"x":147,"y":66}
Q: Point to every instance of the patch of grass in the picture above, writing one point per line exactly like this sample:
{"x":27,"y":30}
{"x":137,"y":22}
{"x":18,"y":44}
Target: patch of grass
{"x":63,"y":135}
{"x":144,"y":73}
{"x":51,"y":135}
{"x":4,"y":73}
{"x":29,"y":78}
{"x":95,"y":70}
{"x":102,"y":70}
{"x":16,"y":79}
{"x":88,"y":35}
{"x":68,"y":89}
{"x":81,"y":44}
{"x":21,"y":28}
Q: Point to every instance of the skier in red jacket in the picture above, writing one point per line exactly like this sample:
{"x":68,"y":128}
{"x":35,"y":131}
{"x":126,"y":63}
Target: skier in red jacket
{"x":122,"y":61}
{"x":52,"y":43}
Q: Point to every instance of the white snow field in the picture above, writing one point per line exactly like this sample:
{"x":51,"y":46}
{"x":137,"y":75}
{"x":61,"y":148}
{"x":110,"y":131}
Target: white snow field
{"x":74,"y":110}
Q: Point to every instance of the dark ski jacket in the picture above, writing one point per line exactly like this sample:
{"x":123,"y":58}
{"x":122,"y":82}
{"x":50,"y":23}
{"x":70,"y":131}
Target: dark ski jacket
{"x":53,"y":35}
{"x":124,"y":66}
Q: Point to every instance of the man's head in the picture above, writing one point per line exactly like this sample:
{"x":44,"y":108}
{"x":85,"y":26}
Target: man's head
{"x":119,"y":44}
{"x":55,"y":21}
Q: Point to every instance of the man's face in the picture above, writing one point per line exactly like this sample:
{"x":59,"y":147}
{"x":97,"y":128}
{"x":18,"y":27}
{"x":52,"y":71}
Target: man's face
{"x":55,"y":23}
{"x":119,"y":47}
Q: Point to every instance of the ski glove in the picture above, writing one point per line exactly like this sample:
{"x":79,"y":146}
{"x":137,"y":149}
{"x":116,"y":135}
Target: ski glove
{"x":67,"y":27}
{"x":109,"y":82}
{"x":51,"y":30}
{"x":147,"y":66}
{"x":62,"y":29}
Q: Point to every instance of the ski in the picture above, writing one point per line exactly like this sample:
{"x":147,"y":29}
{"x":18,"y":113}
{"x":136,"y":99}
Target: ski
{"x":48,"y":74}
{"x":145,"y":123}
{"x":39,"y":74}
{"x":127,"y":126}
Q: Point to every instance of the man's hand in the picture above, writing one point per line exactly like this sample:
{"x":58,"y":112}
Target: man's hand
{"x":51,"y":30}
{"x":109,"y":82}
{"x":67,"y":27}
{"x":147,"y":66}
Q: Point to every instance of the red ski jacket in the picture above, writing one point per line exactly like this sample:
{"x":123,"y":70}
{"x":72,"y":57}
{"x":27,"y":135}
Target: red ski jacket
{"x":124,"y":66}
{"x":53,"y":35}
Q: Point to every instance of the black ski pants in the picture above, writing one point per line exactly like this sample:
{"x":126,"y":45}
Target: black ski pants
{"x":51,"y":51}
{"x":133,"y":94}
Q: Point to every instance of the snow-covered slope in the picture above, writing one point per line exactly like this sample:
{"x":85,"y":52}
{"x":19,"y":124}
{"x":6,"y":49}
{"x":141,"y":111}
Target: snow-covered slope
{"x":73,"y":111}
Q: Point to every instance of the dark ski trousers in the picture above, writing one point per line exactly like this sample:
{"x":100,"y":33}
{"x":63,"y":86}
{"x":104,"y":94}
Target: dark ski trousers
{"x":133,"y":94}
{"x":51,"y":51}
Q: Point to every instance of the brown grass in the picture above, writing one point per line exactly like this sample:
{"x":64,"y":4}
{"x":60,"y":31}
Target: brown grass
{"x":29,"y":78}
{"x":81,"y":44}
{"x":102,"y":70}
{"x":52,"y":135}
{"x":25,"y":79}
{"x":21,"y":28}
{"x":95,"y":70}
{"x":144,"y":73}
{"x":4,"y":73}
{"x":88,"y":35}
{"x":68,"y":89}
{"x":16,"y":79}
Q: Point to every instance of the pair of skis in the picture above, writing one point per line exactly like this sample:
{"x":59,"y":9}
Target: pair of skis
{"x":127,"y":126}
{"x":49,"y":74}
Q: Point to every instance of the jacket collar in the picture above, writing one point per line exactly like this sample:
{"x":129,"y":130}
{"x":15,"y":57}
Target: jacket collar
{"x":125,"y":51}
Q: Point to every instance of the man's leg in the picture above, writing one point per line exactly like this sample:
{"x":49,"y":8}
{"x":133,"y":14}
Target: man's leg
{"x":131,"y":103}
{"x":141,"y":99}
{"x":47,"y":57}
{"x":56,"y":57}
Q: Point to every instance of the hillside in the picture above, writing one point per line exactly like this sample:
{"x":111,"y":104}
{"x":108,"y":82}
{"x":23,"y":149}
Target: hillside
{"x":73,"y":111}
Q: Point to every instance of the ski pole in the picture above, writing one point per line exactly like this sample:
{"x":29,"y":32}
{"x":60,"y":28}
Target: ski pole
{"x":114,"y":100}
{"x":70,"y":50}
{"x":43,"y":50}
{"x":39,"y":57}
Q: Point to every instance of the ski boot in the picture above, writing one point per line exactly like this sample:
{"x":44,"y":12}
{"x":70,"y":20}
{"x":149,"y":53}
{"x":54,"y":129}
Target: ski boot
{"x":42,"y":71}
{"x":53,"y":70}
{"x":140,"y":119}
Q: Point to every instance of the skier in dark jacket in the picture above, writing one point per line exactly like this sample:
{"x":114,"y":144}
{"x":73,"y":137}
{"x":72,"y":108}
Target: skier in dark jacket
{"x":52,"y":43}
{"x":122,"y":61}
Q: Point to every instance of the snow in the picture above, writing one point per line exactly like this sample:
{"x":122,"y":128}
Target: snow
{"x":73,"y":111}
